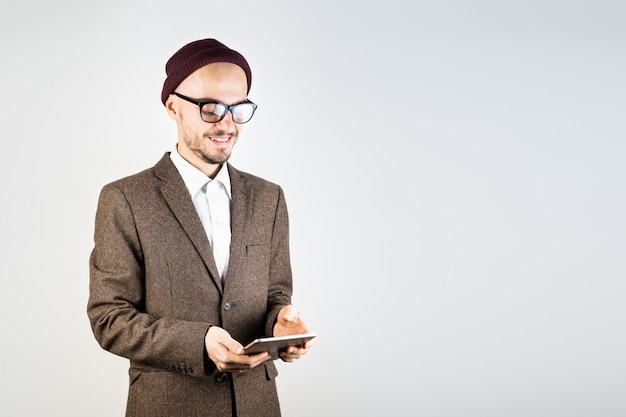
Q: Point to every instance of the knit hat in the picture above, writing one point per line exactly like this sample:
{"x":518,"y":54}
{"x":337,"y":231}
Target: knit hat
{"x":195,"y":55}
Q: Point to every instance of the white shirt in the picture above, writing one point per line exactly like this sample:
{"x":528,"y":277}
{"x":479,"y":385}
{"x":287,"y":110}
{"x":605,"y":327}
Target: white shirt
{"x":212,"y":198}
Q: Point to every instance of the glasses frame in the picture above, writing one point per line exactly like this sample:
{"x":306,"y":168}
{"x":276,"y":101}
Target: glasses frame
{"x":200,"y":104}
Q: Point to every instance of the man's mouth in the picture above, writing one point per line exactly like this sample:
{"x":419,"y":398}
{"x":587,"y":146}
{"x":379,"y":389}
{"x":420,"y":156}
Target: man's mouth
{"x":220,"y":139}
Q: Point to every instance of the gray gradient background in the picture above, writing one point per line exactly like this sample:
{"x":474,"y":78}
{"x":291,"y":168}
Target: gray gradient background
{"x":454,"y":172}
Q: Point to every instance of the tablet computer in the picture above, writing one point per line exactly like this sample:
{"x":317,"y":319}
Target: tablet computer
{"x":275,"y":344}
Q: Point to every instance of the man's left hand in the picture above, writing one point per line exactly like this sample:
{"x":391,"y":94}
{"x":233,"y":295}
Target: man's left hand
{"x":289,"y":322}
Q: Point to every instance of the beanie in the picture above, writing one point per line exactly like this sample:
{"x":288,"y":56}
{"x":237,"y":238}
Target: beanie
{"x":195,"y":55}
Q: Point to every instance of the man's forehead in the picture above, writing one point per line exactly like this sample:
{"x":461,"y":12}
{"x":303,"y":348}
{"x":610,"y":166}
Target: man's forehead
{"x":221,"y":69}
{"x":216,"y":79}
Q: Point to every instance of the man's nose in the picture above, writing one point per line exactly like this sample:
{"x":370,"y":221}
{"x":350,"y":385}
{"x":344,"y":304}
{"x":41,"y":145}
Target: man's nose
{"x":227,"y":119}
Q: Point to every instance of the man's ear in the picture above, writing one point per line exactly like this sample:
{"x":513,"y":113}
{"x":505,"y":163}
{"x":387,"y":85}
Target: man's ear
{"x":171,"y":108}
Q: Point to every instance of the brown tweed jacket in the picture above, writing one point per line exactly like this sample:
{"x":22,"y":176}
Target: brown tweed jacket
{"x":155,"y":291}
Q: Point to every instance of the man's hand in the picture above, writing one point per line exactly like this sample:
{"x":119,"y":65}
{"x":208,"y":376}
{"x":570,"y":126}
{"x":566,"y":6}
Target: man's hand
{"x":290,"y":322}
{"x":227,"y":354}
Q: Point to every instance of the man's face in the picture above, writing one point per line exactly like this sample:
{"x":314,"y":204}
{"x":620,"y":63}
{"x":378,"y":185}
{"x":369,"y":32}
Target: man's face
{"x":207,"y":145}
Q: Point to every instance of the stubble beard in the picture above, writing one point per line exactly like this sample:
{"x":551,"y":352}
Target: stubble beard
{"x":201,"y":149}
{"x":218,"y":158}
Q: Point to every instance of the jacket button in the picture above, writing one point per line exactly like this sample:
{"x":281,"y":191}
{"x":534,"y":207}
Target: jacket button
{"x":227,"y":306}
{"x":221,"y":377}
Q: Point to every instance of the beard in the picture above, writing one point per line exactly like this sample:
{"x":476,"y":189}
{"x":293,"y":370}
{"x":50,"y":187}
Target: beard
{"x":201,"y":146}
{"x":214,"y":161}
{"x":218,"y":157}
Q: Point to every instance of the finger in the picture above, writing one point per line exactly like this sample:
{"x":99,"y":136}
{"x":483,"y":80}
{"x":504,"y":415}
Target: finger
{"x":290,"y":313}
{"x":259,"y":358}
{"x":218,"y":336}
{"x":234,"y":347}
{"x":238,"y":363}
{"x":297,"y":351}
{"x":292,"y":353}
{"x":229,"y":343}
{"x":309,"y":344}
{"x":287,"y":357}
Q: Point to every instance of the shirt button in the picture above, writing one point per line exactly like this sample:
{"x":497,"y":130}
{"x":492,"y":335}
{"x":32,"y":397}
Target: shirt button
{"x":227,"y":306}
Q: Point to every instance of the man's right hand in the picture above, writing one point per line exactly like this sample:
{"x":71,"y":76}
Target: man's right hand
{"x":227,"y":354}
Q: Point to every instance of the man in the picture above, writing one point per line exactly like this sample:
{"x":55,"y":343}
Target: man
{"x":191,"y":257}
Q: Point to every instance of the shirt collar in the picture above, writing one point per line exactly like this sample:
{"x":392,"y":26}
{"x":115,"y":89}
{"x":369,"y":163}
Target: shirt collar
{"x":195,"y":179}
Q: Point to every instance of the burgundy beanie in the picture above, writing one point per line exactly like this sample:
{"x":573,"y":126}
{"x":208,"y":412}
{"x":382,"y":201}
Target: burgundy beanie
{"x":195,"y":55}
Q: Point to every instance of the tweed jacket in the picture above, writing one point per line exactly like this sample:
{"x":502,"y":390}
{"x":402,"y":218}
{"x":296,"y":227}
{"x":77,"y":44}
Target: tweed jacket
{"x":155,"y":291}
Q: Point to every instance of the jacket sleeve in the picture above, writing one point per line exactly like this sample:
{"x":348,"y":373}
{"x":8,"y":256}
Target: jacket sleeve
{"x":280,"y":278}
{"x":116,"y":304}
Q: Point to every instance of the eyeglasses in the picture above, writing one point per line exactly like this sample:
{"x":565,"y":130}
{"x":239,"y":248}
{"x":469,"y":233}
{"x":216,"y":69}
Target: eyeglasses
{"x":214,"y":111}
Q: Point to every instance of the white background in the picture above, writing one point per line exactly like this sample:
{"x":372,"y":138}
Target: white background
{"x":454,"y":172}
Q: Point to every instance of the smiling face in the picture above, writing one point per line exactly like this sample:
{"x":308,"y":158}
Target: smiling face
{"x":208,"y":145}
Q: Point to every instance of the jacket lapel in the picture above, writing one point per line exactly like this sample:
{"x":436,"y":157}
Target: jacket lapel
{"x":177,"y":197}
{"x":241,"y":203}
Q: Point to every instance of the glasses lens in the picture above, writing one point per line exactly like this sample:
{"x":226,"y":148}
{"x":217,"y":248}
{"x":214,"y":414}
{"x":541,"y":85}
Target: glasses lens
{"x":242,"y":112}
{"x":213,"y":112}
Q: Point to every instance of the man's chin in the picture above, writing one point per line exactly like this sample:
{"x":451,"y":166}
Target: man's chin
{"x":215,"y":160}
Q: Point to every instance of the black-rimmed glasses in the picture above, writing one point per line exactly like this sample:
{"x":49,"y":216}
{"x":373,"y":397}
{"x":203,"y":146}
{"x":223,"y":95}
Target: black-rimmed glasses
{"x":214,"y":111}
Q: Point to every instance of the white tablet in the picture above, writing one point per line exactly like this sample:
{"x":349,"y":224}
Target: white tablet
{"x":275,"y":344}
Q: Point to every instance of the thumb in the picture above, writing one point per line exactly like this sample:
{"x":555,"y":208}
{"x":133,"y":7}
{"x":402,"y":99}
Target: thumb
{"x":234,"y":346}
{"x":290,"y":313}
{"x":225,"y":339}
